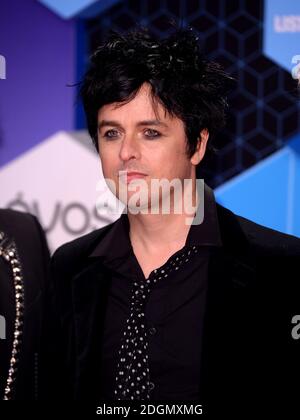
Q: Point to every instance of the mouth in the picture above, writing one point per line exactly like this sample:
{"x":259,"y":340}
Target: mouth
{"x":131,"y":175}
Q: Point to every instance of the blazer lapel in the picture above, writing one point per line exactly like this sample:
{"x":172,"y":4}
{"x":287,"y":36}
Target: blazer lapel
{"x":230,"y":277}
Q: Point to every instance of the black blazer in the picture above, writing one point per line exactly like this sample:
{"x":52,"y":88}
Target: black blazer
{"x":33,"y":253}
{"x":249,"y":356}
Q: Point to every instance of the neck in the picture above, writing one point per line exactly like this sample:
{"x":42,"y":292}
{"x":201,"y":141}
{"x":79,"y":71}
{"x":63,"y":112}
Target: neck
{"x":155,"y":232}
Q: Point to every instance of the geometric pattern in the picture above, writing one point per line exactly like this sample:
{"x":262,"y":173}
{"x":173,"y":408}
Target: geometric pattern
{"x":67,"y":9}
{"x":47,"y":182}
{"x":268,"y":193}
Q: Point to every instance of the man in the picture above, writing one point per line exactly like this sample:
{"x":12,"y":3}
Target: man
{"x":24,"y":259}
{"x":151,"y":307}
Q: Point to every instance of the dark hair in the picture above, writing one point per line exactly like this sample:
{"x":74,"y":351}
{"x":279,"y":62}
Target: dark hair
{"x":182,"y":80}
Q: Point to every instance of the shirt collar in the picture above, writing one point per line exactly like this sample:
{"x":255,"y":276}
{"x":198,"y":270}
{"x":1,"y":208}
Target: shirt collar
{"x":116,"y":243}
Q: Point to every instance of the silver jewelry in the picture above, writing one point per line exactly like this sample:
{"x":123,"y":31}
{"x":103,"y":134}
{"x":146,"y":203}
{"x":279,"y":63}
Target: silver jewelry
{"x":8,"y":251}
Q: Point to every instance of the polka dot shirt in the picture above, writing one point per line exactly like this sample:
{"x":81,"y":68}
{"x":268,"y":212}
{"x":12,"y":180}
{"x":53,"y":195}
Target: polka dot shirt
{"x":133,"y":375}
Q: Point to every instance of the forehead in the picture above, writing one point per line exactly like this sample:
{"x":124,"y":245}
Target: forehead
{"x":142,"y":106}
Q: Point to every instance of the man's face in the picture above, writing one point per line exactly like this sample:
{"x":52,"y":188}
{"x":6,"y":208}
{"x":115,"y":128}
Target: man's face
{"x":134,"y":137}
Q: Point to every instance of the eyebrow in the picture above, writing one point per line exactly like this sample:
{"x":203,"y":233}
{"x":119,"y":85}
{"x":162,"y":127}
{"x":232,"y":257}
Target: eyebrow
{"x":105,"y":123}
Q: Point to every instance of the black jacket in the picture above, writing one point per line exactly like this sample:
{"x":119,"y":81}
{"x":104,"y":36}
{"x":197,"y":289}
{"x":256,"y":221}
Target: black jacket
{"x":250,"y":357}
{"x":33,"y":255}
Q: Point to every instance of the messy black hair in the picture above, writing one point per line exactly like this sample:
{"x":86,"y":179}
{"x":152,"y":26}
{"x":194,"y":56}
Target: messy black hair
{"x":182,"y":80}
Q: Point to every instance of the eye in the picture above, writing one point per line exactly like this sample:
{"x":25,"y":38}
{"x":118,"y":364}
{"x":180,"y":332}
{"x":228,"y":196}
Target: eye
{"x":150,"y":133}
{"x":111,"y":134}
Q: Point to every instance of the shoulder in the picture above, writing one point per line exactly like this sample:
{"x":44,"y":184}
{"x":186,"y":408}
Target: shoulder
{"x":262,"y":239}
{"x":33,"y":253}
{"x":11,"y":220}
{"x":23,"y":227}
{"x":267,"y":238}
{"x":73,"y":255}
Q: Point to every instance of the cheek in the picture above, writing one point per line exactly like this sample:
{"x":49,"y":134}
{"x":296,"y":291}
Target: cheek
{"x":108,"y":160}
{"x":171,"y":162}
{"x":179,"y":156}
{"x":107,"y":170}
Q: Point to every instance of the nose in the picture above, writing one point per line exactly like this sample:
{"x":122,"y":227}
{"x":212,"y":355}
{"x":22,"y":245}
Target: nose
{"x":129,"y":148}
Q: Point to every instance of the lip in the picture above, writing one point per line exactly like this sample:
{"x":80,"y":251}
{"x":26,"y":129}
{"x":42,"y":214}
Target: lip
{"x":131,"y":175}
{"x":134,"y":173}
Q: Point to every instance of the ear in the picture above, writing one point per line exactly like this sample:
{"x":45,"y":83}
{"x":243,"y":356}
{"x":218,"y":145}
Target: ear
{"x":201,"y":147}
